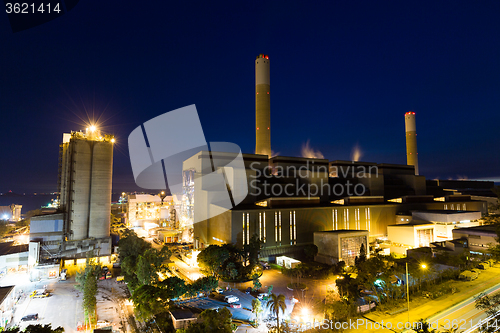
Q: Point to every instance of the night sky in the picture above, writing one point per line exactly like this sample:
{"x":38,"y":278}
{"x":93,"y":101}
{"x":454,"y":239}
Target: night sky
{"x":343,"y":73}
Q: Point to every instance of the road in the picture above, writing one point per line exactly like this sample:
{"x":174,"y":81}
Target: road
{"x":464,"y":315}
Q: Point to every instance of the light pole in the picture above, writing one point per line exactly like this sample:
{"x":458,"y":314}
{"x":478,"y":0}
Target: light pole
{"x":423,"y":266}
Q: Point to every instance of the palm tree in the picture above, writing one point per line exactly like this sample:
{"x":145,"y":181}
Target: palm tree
{"x":275,"y":305}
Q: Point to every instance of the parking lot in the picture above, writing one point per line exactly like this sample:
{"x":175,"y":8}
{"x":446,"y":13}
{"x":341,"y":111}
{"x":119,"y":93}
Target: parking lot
{"x":244,"y":313}
{"x":62,"y":308}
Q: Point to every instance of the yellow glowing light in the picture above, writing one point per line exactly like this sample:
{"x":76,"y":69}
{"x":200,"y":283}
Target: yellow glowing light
{"x":424,"y":266}
{"x":113,"y":140}
{"x":92,"y":128}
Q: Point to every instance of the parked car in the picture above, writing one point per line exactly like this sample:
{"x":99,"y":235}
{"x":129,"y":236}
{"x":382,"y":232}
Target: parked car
{"x":120,"y":278}
{"x":42,"y":295}
{"x":30,"y":317}
{"x":262,"y":295}
{"x":231,"y":299}
{"x":219,"y":290}
{"x":109,"y":275}
{"x":103,"y":324}
{"x":235,"y":305}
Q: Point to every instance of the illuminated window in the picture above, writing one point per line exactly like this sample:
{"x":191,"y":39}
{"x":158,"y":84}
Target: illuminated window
{"x":465,"y":207}
{"x":335,"y":219}
{"x":294,"y":229}
{"x":445,"y":207}
{"x":260,"y":226}
{"x":452,"y":207}
{"x":264,"y":222}
{"x":346,"y":218}
{"x":279,"y":215}
{"x":248,"y":228}
{"x":276,"y":227}
{"x":368,"y":218}
{"x":243,"y":228}
{"x":357,"y":223}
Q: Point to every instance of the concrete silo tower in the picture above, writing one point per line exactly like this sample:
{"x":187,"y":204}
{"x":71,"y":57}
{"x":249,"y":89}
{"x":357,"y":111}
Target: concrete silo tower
{"x":411,"y":140}
{"x":262,"y":106}
{"x":85,"y":175}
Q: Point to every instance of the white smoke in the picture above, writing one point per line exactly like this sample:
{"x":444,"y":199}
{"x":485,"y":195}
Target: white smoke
{"x":308,"y":152}
{"x":356,"y":153}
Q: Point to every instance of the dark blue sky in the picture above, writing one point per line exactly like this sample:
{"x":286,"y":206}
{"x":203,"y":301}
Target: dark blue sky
{"x":342,"y":73}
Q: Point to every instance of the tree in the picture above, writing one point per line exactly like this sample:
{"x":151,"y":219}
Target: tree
{"x":212,"y":322}
{"x":275,"y":305}
{"x":87,"y":283}
{"x":423,"y":327}
{"x":491,"y":305}
{"x":47,"y":328}
{"x":150,"y":263}
{"x":256,"y":283}
{"x":213,"y":258}
{"x":130,"y":247}
{"x":310,"y":250}
{"x":204,"y":284}
{"x":256,"y":308}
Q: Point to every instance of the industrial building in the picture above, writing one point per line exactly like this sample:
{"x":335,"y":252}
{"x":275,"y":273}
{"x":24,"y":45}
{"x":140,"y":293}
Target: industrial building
{"x":82,"y":221}
{"x":11,"y":213}
{"x":292,"y":199}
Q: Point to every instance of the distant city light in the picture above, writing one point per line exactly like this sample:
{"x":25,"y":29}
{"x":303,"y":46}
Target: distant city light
{"x":92,"y":128}
{"x":113,"y":140}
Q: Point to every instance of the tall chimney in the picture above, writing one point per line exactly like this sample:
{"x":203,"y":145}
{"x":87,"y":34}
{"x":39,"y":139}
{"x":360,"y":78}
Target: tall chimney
{"x":262,"y":106}
{"x":411,"y":140}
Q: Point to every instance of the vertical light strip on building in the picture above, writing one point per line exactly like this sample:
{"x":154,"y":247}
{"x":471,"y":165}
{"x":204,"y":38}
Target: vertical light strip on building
{"x":243,"y":228}
{"x":291,"y":229}
{"x":260,"y":227}
{"x":368,"y":218}
{"x":264,"y":226}
{"x":276,"y":227}
{"x":248,"y":228}
{"x":294,"y":229}
{"x":279,"y":215}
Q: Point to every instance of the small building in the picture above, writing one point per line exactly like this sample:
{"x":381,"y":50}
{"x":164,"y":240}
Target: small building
{"x":411,"y":235}
{"x":7,"y":302}
{"x":477,"y":239}
{"x":340,"y":245}
{"x":287,"y":262}
{"x":182,"y":318}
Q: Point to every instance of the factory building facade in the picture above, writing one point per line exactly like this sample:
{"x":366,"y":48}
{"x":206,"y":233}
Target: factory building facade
{"x":82,"y":220}
{"x":291,"y":198}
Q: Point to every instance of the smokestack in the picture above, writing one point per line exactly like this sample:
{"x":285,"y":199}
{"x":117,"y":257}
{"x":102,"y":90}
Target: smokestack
{"x":411,"y":140}
{"x":262,"y":106}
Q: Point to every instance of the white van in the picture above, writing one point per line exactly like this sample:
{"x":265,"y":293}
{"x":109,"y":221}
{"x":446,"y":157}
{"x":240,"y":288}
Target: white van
{"x":231,"y":299}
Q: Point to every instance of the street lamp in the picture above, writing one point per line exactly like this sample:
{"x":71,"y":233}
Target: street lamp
{"x":423,"y":266}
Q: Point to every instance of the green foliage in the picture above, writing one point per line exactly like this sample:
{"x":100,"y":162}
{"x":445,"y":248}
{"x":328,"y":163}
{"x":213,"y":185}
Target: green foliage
{"x":225,"y":261}
{"x":256,"y":284}
{"x":204,"y":284}
{"x":140,"y":263}
{"x":87,"y":283}
{"x":276,"y":304}
{"x":150,"y":263}
{"x":212,"y":322}
{"x":310,"y":250}
{"x":47,"y":328}
{"x":257,"y":308}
